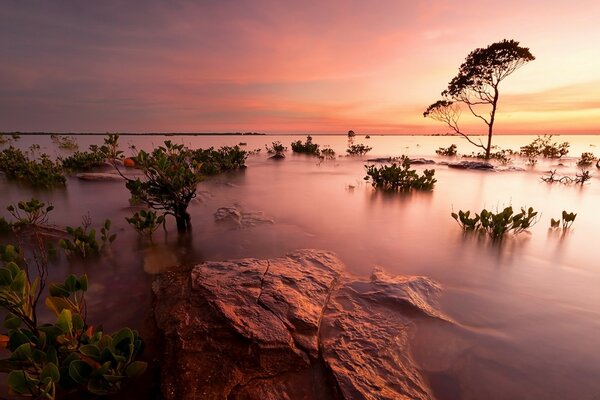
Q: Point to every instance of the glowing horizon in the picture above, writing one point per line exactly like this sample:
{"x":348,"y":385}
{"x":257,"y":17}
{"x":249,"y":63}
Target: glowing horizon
{"x":287,"y":68}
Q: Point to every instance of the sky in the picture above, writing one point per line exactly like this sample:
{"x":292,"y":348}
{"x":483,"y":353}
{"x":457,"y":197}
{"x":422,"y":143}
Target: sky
{"x":288,"y":66}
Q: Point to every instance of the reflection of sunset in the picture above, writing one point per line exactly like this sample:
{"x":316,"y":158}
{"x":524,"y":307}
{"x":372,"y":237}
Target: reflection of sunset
{"x":287,"y":68}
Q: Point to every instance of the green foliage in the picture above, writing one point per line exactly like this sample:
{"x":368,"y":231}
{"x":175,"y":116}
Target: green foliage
{"x":449,"y":151}
{"x":476,"y":86}
{"x":146,"y":222}
{"x":400,"y":177}
{"x":566,"y":220}
{"x":41,"y":172}
{"x":84,"y":160}
{"x":83,"y":242}
{"x":110,"y":148}
{"x":503,"y":156}
{"x":586,"y":159}
{"x":307,"y":147}
{"x":5,"y":226}
{"x":276,"y":148}
{"x":328,"y":153}
{"x":171,"y":173}
{"x":29,"y":213}
{"x":226,"y":158}
{"x":64,"y":142}
{"x":496,"y":225}
{"x":358,"y":149}
{"x":543,"y":146}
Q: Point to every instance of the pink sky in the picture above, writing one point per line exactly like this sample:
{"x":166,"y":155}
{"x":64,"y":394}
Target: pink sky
{"x":287,"y":67}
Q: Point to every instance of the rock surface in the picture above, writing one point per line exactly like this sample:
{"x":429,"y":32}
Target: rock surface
{"x":480,"y":165}
{"x":100,"y":177}
{"x":295,"y":327}
{"x":240,"y":218}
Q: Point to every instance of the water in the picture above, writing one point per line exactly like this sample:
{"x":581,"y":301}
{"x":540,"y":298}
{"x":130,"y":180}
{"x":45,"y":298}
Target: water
{"x":526,"y":310}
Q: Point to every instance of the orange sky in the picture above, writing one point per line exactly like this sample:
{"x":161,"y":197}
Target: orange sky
{"x":287,"y":67}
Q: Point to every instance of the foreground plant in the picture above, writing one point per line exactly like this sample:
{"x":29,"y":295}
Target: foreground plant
{"x":399,"y":177}
{"x":565,"y":221}
{"x":38,"y":172}
{"x":171,"y":174}
{"x":83,"y":242}
{"x":496,"y":225}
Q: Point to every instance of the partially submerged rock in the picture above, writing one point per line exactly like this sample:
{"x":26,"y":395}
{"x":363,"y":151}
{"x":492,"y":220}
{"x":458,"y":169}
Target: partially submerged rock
{"x":480,"y":165}
{"x":295,"y":327}
{"x":100,"y":177}
{"x":239,"y":218}
{"x":418,"y":161}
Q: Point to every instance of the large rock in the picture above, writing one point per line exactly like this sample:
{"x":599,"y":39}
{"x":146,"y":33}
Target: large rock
{"x":480,"y":165}
{"x":296,"y":327}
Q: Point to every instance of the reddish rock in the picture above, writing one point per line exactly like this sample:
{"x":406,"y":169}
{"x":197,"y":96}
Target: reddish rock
{"x":295,"y":327}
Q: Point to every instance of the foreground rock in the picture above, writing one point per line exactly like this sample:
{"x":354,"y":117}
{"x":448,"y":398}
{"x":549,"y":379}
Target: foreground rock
{"x":480,"y":165}
{"x":296,"y":327}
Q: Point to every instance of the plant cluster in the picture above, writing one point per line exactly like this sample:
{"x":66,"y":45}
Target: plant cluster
{"x":64,"y":142}
{"x":580,"y":177}
{"x":171,"y":174}
{"x":307,"y":147}
{"x":32,"y":213}
{"x":544,"y":146}
{"x":146,"y":222}
{"x":399,"y":177}
{"x":496,"y":225}
{"x":226,"y":158}
{"x":449,"y":151}
{"x":276,"y":148}
{"x":586,"y":159}
{"x":503,"y":156}
{"x":564,"y":222}
{"x":327,"y":153}
{"x":40,"y":172}
{"x":82,"y":240}
{"x":84,"y":160}
{"x":358,"y":149}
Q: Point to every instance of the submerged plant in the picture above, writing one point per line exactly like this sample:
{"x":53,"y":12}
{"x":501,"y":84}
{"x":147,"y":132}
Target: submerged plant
{"x":146,"y":222}
{"x":83,"y":242}
{"x":32,"y":213}
{"x":399,"y":176}
{"x":276,"y":148}
{"x":84,"y":160}
{"x":449,"y":151}
{"x":496,"y":225}
{"x":307,"y":147}
{"x":64,"y":142}
{"x":226,"y":158}
{"x":565,"y":221}
{"x":358,"y":149}
{"x":543,"y":146}
{"x":586,"y":159}
{"x":39,"y":172}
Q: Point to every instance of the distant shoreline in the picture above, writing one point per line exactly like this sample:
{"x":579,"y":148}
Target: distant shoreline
{"x":275,"y":134}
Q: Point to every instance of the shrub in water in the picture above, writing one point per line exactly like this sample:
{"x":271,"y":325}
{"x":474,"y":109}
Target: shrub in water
{"x":400,"y":177}
{"x":449,"y":151}
{"x":358,"y":149}
{"x":307,"y":147}
{"x":566,"y":220}
{"x":41,"y":172}
{"x":146,"y":222}
{"x":496,"y":225}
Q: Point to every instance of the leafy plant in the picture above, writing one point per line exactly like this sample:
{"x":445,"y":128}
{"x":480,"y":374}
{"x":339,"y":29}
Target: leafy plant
{"x":399,"y":176}
{"x":449,"y":151}
{"x":503,"y":156}
{"x":110,"y":148}
{"x":543,"y":146}
{"x":64,"y":142}
{"x":566,"y":220}
{"x":146,"y":222}
{"x":358,"y":149}
{"x":307,"y":147}
{"x":496,"y":225}
{"x":41,"y":172}
{"x":32,"y":213}
{"x":586,"y":159}
{"x":226,"y":158}
{"x":328,"y":153}
{"x":171,"y":174}
{"x":83,"y":242}
{"x":84,"y":160}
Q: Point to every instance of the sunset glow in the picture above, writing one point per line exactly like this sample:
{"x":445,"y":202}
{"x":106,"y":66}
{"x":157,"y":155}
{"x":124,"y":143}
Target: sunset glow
{"x":287,"y":67}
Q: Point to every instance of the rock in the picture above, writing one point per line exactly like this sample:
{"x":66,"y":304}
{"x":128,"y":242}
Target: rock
{"x":471,"y":165}
{"x":277,"y":157}
{"x":100,"y":177}
{"x":240,"y":218}
{"x":418,"y":161}
{"x":381,"y":159}
{"x":295,"y":327}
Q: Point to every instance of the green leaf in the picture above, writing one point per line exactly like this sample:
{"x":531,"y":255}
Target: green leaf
{"x":135,"y":369}
{"x":79,"y":370}
{"x":50,"y":370}
{"x":91,"y":351}
{"x":11,"y":322}
{"x":65,"y":321}
{"x":18,"y":381}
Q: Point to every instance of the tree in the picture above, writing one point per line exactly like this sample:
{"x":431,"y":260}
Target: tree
{"x":476,"y":86}
{"x":171,"y":179}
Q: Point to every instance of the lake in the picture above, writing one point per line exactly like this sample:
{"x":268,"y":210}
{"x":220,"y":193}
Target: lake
{"x":526,"y":310}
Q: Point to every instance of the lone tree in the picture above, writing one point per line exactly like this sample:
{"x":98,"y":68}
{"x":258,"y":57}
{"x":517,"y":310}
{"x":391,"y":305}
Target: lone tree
{"x":476,"y":86}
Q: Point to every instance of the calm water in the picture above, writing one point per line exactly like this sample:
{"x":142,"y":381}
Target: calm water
{"x":527,"y":310}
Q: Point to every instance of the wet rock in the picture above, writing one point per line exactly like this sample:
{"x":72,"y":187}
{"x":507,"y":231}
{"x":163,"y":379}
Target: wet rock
{"x":239,"y":218}
{"x":100,"y":177}
{"x":277,"y":157}
{"x":480,"y":165}
{"x":418,"y":161}
{"x":295,"y":327}
{"x":381,"y":159}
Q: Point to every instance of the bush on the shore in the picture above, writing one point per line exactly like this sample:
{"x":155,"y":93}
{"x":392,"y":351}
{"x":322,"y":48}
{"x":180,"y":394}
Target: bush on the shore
{"x":399,"y":177}
{"x":307,"y":147}
{"x":496,"y":225}
{"x":40,"y":172}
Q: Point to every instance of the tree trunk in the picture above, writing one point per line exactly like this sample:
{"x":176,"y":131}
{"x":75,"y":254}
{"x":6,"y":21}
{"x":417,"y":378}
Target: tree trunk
{"x":491,"y":124}
{"x":182,"y":217}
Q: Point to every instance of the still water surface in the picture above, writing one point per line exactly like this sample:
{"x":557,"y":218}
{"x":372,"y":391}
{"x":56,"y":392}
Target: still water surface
{"x":527,"y":310}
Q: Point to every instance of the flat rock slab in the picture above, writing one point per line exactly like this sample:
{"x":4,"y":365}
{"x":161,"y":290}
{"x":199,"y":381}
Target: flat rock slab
{"x":480,"y":165}
{"x":295,"y":327}
{"x":100,"y":177}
